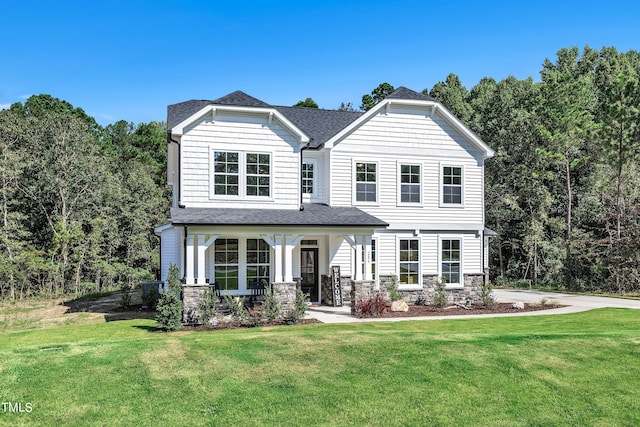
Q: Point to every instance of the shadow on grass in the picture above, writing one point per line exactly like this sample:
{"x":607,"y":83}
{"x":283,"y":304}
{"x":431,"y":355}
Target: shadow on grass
{"x":148,"y":328}
{"x":110,"y":305}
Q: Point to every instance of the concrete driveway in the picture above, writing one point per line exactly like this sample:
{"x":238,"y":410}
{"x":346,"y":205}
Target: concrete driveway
{"x":579,"y":301}
{"x":573,"y":303}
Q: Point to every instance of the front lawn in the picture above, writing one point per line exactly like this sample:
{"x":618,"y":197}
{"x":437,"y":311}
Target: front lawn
{"x":572,"y":369}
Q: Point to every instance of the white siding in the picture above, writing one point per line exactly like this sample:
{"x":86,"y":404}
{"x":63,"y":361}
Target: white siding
{"x":171,"y":251}
{"x":243,"y":133}
{"x":409,"y":136}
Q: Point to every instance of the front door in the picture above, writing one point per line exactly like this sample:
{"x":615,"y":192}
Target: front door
{"x":309,"y":272}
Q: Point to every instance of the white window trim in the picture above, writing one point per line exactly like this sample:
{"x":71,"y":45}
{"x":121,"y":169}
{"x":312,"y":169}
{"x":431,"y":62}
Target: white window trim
{"x":399,"y":201}
{"x":307,"y":197}
{"x":459,"y":237}
{"x":242,"y":263}
{"x":409,"y":237}
{"x":441,"y":182}
{"x":242,"y":176}
{"x":354,"y":200}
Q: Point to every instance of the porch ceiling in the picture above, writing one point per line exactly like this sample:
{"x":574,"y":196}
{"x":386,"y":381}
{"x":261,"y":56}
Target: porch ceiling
{"x":314,"y":214}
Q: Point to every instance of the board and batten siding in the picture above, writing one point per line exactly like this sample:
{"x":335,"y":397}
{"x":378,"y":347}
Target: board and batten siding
{"x":409,"y":136}
{"x":242,"y":133}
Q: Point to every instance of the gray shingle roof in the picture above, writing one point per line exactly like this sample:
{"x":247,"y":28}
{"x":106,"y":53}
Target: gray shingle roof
{"x":314,"y":214}
{"x":318,"y":124}
{"x":404,"y":93}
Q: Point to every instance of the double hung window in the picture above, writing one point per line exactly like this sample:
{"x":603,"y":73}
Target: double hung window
{"x":450,"y":259}
{"x":452,"y":185}
{"x":366,"y":182}
{"x":410,"y":184}
{"x":241,"y":174}
{"x":409,"y":261}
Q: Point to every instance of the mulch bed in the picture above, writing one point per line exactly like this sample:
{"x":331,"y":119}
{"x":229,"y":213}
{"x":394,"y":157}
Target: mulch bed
{"x":429,"y":310}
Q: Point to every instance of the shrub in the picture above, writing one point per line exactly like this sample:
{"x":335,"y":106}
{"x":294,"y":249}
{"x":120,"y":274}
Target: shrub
{"x":299,"y":308}
{"x":207,"y":306}
{"x":169,"y":312}
{"x":440,"y":298}
{"x":236,"y":307}
{"x":375,"y":306}
{"x":392,"y":287}
{"x":272,"y":306}
{"x":125,"y":299}
{"x":487,"y":296}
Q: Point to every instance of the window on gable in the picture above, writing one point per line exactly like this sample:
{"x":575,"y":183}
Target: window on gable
{"x":307,"y":178}
{"x":226,"y":168}
{"x":226,"y":263}
{"x":258,"y":174}
{"x":258,"y":262}
{"x":409,"y":261}
{"x":409,"y":183}
{"x":366,"y":182}
{"x":450,"y":259}
{"x":452,"y":185}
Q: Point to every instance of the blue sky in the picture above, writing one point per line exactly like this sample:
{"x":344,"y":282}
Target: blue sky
{"x":130,"y":59}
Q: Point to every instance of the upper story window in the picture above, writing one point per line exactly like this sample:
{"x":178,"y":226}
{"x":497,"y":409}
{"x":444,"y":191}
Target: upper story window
{"x":258,"y":174}
{"x":240,"y":174}
{"x":307,"y":178}
{"x":366,"y":180}
{"x":226,"y":173}
{"x":409,"y":182}
{"x":452,"y":185}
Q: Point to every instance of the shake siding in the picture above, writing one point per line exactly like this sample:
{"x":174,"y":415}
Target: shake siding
{"x":245,"y":133}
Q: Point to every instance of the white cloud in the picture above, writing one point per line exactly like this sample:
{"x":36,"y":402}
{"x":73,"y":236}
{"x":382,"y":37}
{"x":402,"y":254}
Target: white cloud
{"x":24,"y":96}
{"x":4,"y":106}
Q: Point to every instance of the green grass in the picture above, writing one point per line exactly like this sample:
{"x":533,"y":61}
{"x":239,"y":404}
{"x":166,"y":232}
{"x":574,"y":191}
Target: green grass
{"x":573,"y":369}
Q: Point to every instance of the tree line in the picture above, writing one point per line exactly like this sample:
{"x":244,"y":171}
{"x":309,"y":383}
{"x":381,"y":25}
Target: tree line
{"x":563,"y":192}
{"x":78,"y":201}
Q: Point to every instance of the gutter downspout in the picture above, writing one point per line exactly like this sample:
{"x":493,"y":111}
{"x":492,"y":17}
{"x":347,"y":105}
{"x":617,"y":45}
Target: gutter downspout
{"x":178,"y":178}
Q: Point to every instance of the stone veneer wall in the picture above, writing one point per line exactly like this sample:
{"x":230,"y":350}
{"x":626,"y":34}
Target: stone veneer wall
{"x":285,"y":292}
{"x":191,"y":295}
{"x":472,"y":289}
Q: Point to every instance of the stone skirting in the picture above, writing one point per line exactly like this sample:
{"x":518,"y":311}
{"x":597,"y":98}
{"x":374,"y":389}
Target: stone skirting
{"x":472,"y":290}
{"x":285,"y":292}
{"x":191,"y":296}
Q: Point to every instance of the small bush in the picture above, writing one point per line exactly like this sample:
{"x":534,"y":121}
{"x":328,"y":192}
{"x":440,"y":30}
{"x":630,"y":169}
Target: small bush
{"x":299,"y":308}
{"x":440,"y":298}
{"x":487,"y":296}
{"x":392,"y":287}
{"x":544,"y":301}
{"x":169,"y":312}
{"x":272,"y":306}
{"x":375,"y":306}
{"x":125,"y":299}
{"x":207,"y":306}
{"x":420,"y":300}
{"x":236,"y":307}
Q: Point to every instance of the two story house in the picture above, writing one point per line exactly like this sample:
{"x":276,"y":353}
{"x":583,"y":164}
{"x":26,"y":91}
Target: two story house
{"x":284,"y":194}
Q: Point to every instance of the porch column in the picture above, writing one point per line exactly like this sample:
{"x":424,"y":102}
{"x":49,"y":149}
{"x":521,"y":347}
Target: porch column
{"x":277,"y":254}
{"x":290,"y":243}
{"x":357,"y":274}
{"x":367,"y":258}
{"x":201,"y":280}
{"x":189,"y":279}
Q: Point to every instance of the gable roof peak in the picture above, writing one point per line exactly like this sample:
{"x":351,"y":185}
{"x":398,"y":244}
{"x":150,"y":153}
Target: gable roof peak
{"x":240,"y":98}
{"x":405,"y":93}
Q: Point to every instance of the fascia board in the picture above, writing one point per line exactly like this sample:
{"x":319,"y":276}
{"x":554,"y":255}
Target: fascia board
{"x":178,"y":130}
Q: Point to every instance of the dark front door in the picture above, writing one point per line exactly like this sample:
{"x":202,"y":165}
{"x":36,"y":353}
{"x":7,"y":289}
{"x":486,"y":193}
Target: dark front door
{"x":309,"y":272}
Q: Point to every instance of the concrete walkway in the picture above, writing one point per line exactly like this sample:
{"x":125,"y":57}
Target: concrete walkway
{"x":574,"y":303}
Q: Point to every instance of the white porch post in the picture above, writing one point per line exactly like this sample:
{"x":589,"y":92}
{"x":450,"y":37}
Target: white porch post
{"x":277,"y":254}
{"x":357,"y":274}
{"x":290,"y":243}
{"x":201,"y":280}
{"x":367,"y":258}
{"x":189,"y":279}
